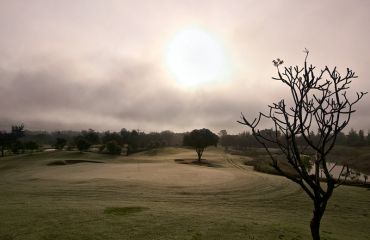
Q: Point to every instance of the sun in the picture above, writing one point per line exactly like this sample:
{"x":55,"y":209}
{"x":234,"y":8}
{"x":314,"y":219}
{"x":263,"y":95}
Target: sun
{"x":195,"y":57}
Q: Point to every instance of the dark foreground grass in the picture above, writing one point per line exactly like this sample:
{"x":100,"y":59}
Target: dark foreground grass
{"x":269,"y":210}
{"x":123,"y":211}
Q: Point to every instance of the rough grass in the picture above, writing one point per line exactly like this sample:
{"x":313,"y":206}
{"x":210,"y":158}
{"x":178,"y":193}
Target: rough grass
{"x":123,"y":211}
{"x":266,"y":208}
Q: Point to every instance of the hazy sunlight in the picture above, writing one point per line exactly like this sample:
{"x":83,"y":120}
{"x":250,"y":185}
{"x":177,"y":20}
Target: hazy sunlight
{"x":195,"y":57}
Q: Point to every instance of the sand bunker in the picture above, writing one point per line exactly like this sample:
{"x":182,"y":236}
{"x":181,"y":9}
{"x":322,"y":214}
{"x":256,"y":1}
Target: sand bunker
{"x":168,"y":173}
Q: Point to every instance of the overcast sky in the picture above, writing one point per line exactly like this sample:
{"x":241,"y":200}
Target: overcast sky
{"x":80,"y":64}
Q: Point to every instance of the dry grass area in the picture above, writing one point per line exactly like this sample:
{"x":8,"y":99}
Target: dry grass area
{"x":162,"y":194}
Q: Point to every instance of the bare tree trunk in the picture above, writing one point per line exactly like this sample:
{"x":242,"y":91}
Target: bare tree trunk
{"x":316,"y":219}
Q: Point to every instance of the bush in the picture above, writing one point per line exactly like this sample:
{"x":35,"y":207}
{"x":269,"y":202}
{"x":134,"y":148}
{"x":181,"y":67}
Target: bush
{"x":113,"y":148}
{"x":31,"y":145}
{"x":60,"y":143}
{"x":82,"y":144}
{"x":17,"y":147}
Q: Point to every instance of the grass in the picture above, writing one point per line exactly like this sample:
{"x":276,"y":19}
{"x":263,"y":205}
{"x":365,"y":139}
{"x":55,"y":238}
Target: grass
{"x":266,"y":207}
{"x":123,"y":211}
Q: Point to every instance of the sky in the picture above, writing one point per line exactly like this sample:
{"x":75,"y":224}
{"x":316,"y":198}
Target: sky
{"x":80,"y":64}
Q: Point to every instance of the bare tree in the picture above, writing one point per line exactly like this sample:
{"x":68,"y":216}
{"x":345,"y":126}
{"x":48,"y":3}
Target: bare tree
{"x":319,"y":102}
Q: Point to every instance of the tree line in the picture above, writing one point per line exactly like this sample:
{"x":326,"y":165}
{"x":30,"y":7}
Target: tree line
{"x":244,"y":140}
{"x":19,"y":140}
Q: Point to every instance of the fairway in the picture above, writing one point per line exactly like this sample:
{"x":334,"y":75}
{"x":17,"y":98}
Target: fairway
{"x":161,"y":194}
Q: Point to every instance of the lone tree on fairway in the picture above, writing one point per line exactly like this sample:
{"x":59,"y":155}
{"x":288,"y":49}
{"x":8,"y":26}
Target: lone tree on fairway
{"x":200,"y":139}
{"x":319,"y":102}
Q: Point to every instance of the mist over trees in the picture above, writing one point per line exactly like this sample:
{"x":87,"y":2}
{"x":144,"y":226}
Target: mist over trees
{"x":245,"y":140}
{"x":9,"y":140}
{"x":20,"y":141}
{"x":123,"y":141}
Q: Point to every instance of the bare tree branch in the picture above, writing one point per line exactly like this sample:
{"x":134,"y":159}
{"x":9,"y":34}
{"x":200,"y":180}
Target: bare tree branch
{"x":319,"y":102}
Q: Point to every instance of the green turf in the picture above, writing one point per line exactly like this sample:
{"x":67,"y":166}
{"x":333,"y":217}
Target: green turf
{"x":122,"y":211}
{"x":37,"y":209}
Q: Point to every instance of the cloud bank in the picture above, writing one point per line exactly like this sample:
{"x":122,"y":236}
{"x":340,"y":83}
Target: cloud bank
{"x":100,"y":65}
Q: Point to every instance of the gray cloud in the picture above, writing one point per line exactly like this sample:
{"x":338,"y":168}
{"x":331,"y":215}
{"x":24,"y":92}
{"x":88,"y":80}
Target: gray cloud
{"x":100,"y":65}
{"x":132,"y":97}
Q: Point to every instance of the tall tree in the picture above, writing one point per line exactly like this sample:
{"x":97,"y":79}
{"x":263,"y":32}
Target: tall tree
{"x":82,"y":144}
{"x":60,"y":143}
{"x":318,"y":101}
{"x":91,"y":136}
{"x":9,"y":139}
{"x":199,"y":139}
{"x":353,"y":138}
{"x":361,"y":137}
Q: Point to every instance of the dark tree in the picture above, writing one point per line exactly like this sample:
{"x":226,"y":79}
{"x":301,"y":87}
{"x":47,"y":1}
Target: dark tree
{"x":91,"y":136}
{"x":222,"y":133}
{"x":125,"y":135}
{"x":111,"y":136}
{"x":9,"y":139}
{"x":319,"y":101}
{"x":82,"y":144}
{"x":60,"y":143}
{"x":31,"y":145}
{"x":199,"y":139}
{"x":133,"y":142}
{"x":353,"y":139}
{"x":341,"y":139}
{"x":228,"y":141}
{"x":17,"y":147}
{"x":113,"y":148}
{"x":361,"y":136}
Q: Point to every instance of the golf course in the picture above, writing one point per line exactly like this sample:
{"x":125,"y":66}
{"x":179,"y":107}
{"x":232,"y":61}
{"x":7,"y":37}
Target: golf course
{"x":163,"y":194}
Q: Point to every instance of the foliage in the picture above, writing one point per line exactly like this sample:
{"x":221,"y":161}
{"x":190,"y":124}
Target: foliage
{"x":82,"y":144}
{"x":31,"y":145}
{"x":245,"y":140}
{"x":17,"y":147}
{"x":91,"y":136}
{"x":9,"y":140}
{"x":306,"y":162}
{"x":60,"y":143}
{"x":199,"y":139}
{"x":113,"y":148}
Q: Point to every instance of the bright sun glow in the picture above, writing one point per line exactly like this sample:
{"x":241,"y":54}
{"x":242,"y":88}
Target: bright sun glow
{"x":195,"y":57}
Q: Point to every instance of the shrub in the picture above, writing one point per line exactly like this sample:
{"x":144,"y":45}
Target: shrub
{"x":113,"y":148}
